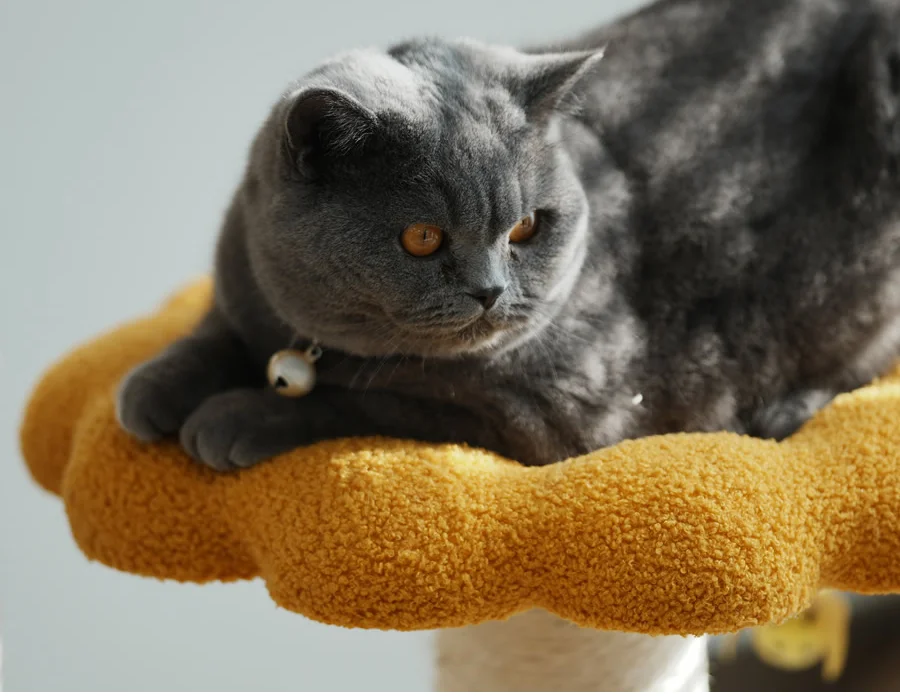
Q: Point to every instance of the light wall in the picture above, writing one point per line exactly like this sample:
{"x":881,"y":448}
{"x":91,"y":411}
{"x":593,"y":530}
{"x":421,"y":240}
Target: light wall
{"x":123,"y":128}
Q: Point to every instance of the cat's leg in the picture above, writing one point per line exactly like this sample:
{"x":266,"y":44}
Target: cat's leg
{"x":783,"y":417}
{"x":239,"y":428}
{"x":156,"y":398}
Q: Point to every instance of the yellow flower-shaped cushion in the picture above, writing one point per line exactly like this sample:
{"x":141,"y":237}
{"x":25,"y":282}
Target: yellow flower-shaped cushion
{"x":674,"y":534}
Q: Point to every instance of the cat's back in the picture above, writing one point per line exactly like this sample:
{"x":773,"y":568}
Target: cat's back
{"x":760,"y":143}
{"x":690,"y":89}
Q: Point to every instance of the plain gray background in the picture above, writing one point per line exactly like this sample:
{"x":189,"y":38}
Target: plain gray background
{"x":123,"y":128}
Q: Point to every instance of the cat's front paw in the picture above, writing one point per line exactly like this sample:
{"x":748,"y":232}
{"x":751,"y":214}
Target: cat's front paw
{"x":156,"y":398}
{"x":240,"y":428}
{"x":150,"y":405}
{"x":782,"y":418}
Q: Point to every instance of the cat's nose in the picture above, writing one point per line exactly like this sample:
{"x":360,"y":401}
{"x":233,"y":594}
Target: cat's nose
{"x":488,"y":296}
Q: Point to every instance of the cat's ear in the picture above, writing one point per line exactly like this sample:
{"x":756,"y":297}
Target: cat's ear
{"x":544,"y":84}
{"x":322,"y":123}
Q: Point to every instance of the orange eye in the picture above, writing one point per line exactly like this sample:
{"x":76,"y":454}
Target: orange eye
{"x":524,"y":229}
{"x":421,"y":239}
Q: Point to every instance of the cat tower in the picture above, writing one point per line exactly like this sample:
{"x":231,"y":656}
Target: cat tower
{"x":582,"y":575}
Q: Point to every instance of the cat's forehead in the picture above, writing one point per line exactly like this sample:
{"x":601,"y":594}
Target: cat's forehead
{"x":376,"y":80}
{"x":469,"y":95}
{"x":446,"y":84}
{"x":466,"y":58}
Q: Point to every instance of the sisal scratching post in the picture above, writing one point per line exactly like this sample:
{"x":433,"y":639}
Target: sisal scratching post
{"x":537,"y":651}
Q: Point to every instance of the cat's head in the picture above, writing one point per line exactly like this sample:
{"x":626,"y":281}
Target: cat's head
{"x":418,"y":201}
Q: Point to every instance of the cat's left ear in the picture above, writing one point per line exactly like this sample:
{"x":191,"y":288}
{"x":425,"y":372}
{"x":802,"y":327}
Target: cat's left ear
{"x":544,"y":83}
{"x":322,"y":125}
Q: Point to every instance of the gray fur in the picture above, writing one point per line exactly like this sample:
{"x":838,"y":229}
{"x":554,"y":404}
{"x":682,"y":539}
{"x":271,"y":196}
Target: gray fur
{"x":719,"y":248}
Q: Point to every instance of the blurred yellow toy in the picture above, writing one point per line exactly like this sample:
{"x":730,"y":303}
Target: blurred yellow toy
{"x":819,"y":634}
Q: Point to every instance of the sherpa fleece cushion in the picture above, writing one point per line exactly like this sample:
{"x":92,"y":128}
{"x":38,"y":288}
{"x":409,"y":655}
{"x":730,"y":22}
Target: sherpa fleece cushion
{"x":699,"y":533}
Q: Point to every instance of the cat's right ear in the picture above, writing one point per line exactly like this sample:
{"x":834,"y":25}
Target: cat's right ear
{"x":546,"y":82}
{"x":322,"y":123}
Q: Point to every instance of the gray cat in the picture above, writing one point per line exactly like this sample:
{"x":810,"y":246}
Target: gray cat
{"x":545,"y":252}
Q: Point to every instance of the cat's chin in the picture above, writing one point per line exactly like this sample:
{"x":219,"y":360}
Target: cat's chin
{"x":477,"y":339}
{"x":480,"y":338}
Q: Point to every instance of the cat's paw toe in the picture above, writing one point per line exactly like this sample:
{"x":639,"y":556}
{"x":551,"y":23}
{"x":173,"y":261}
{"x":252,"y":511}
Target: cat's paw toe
{"x":781,"y":419}
{"x":209,"y":442}
{"x":225,"y":432}
{"x":777,"y":424}
{"x":146,"y":407}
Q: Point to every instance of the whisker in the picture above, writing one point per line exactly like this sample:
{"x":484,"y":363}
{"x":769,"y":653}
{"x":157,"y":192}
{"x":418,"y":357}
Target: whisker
{"x":552,"y":321}
{"x":381,"y":364}
{"x":402,"y":360}
{"x":352,"y":383}
{"x":548,"y":351}
{"x":380,"y":330}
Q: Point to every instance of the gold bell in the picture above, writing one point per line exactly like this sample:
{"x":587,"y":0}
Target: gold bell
{"x":292,"y":373}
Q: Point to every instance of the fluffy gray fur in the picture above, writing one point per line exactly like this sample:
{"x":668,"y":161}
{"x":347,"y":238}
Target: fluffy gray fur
{"x":718,"y":247}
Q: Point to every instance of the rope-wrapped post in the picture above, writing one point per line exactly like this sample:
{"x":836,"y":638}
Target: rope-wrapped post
{"x":538,"y":651}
